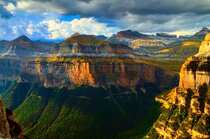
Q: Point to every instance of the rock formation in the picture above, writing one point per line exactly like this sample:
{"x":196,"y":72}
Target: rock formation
{"x":186,"y":109}
{"x":201,"y":33}
{"x":90,"y":44}
{"x":135,"y":44}
{"x":75,"y":71}
{"x":205,"y":45}
{"x":89,"y":71}
{"x":9,"y":129}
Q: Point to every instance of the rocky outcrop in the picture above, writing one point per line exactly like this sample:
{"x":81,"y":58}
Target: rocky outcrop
{"x":205,"y":45}
{"x":129,"y":34}
{"x":80,"y":73}
{"x":4,"y":126}
{"x":136,"y":44}
{"x":201,"y":33}
{"x":195,"y":72}
{"x":186,"y":111}
{"x":9,"y":129}
{"x":90,"y":44}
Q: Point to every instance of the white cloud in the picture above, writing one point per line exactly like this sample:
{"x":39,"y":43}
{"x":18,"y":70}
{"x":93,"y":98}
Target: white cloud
{"x":63,"y":29}
{"x":10,"y":7}
{"x":50,"y":26}
{"x":184,"y":32}
{"x":30,"y":29}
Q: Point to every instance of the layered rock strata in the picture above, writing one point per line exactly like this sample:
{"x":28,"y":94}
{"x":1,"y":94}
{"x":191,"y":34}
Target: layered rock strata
{"x":186,"y":109}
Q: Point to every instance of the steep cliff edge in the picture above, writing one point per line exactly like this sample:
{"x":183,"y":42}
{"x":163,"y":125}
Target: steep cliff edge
{"x":186,"y":109}
{"x":68,"y":72}
{"x":9,"y":129}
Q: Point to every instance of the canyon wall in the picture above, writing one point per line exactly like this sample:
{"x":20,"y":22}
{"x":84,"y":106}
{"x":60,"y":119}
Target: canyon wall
{"x":186,"y":109}
{"x":83,"y":71}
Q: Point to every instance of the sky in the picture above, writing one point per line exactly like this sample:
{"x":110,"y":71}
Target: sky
{"x":59,"y":19}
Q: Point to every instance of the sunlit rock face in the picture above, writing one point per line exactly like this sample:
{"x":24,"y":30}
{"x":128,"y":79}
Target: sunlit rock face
{"x":186,"y":112}
{"x":195,"y":72}
{"x":122,"y":72}
{"x":205,"y":45}
{"x":80,"y":74}
{"x":70,"y":72}
{"x":135,"y":44}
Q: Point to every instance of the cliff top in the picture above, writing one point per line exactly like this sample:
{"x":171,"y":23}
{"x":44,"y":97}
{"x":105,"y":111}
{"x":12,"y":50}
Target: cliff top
{"x":204,"y":49}
{"x":207,"y":37}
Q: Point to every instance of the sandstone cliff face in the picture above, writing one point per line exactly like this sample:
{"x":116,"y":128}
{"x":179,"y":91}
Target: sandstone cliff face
{"x":195,"y":72}
{"x":69,"y":72}
{"x":94,"y":73}
{"x":186,"y":111}
{"x":80,"y":74}
{"x":135,"y":44}
{"x":205,"y":45}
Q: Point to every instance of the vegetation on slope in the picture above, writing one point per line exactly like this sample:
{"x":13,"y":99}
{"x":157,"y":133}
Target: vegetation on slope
{"x":83,"y":112}
{"x":183,"y":49}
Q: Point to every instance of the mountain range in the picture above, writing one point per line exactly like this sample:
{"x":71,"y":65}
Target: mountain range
{"x":120,"y":43}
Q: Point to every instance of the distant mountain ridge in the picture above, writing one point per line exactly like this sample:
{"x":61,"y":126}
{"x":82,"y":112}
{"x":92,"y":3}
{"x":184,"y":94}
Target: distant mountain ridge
{"x":119,"y":43}
{"x":201,"y":33}
{"x":130,"y":34}
{"x":91,"y":44}
{"x":23,"y":46}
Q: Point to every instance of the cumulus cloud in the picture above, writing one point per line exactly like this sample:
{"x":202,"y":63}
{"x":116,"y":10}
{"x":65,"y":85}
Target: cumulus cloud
{"x":63,"y":29}
{"x":22,"y":24}
{"x":50,"y":26}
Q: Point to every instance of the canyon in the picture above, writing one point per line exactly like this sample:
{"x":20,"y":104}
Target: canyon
{"x":107,"y":95}
{"x":89,"y":87}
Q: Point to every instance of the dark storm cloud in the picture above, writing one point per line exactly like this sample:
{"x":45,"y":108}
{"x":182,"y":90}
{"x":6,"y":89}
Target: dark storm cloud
{"x":154,"y":11}
{"x":116,"y":8}
{"x":144,"y":15}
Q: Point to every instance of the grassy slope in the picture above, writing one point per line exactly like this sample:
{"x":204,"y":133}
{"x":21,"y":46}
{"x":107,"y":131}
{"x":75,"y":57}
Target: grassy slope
{"x":84,"y":112}
{"x":178,"y":53}
{"x":182,"y":49}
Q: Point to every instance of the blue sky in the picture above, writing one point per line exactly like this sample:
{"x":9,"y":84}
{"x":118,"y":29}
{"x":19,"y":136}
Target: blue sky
{"x":16,"y":21}
{"x":53,"y":19}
